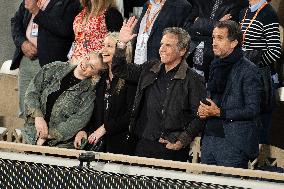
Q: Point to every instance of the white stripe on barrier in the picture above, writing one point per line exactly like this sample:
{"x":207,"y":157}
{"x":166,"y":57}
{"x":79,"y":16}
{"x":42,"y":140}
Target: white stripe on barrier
{"x":143,"y":171}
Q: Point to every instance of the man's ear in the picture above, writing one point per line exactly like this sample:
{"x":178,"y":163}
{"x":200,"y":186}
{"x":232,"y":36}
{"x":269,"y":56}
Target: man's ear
{"x":182,"y":52}
{"x":234,"y":43}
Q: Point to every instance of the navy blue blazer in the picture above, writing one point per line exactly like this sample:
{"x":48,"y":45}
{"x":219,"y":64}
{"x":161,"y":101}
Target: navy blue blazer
{"x":175,"y":13}
{"x":240,"y":107}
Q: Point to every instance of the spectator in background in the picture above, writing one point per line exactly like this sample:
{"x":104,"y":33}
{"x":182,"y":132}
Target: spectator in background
{"x":164,"y":119}
{"x":232,"y":108}
{"x":117,"y":96}
{"x":60,"y":100}
{"x":42,"y":33}
{"x":120,"y":6}
{"x":261,"y":43}
{"x":130,"y":4}
{"x":156,"y":16}
{"x":91,"y":25}
{"x":206,"y":14}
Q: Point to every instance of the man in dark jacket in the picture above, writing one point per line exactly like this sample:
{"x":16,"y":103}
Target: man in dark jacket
{"x":42,"y":32}
{"x":164,"y":112}
{"x":230,"y":136}
{"x":156,"y":16}
{"x":206,"y":13}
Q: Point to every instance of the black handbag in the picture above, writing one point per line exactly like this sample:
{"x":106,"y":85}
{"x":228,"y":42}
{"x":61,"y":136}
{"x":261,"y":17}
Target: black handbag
{"x":266,"y":103}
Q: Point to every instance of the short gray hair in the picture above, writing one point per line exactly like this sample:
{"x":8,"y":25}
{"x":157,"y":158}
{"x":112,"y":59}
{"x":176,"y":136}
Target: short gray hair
{"x":182,"y":36}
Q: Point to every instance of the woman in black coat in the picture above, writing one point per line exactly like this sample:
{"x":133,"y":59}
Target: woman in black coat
{"x":113,"y":104}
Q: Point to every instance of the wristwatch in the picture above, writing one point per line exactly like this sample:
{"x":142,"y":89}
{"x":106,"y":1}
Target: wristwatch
{"x":121,"y":44}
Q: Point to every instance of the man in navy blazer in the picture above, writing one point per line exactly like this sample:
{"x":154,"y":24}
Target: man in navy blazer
{"x":156,"y":16}
{"x":233,"y":106}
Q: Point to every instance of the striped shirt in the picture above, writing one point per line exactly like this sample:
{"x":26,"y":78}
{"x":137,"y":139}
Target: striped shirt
{"x":263,"y":34}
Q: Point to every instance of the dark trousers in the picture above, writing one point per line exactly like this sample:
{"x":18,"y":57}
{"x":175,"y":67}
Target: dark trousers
{"x":266,"y":120}
{"x":218,"y":151}
{"x":154,"y":149}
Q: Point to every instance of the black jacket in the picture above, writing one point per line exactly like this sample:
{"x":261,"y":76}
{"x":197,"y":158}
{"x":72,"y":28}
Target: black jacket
{"x":175,"y":13}
{"x":116,"y":117}
{"x":55,"y":34}
{"x":129,"y":4}
{"x":202,"y":28}
{"x":202,"y":9}
{"x":114,"y":20}
{"x":181,"y":103}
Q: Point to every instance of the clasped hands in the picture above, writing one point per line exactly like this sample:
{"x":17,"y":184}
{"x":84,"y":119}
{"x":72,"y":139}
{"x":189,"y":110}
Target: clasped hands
{"x":29,"y":50}
{"x":205,"y":111}
{"x":92,"y":139}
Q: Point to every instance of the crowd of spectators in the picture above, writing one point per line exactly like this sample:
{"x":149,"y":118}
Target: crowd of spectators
{"x":147,"y":86}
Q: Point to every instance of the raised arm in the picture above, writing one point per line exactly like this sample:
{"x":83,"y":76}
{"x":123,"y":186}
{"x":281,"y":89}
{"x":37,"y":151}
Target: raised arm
{"x":120,"y":67}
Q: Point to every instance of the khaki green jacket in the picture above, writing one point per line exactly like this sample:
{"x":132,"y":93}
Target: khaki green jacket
{"x":71,"y":111}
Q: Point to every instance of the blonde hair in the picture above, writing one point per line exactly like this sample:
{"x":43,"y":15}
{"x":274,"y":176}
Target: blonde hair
{"x":98,"y":6}
{"x":114,"y":36}
{"x":128,"y":54}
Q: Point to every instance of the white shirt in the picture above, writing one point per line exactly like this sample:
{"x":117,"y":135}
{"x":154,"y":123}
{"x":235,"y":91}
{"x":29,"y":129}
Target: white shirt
{"x":142,"y":39}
